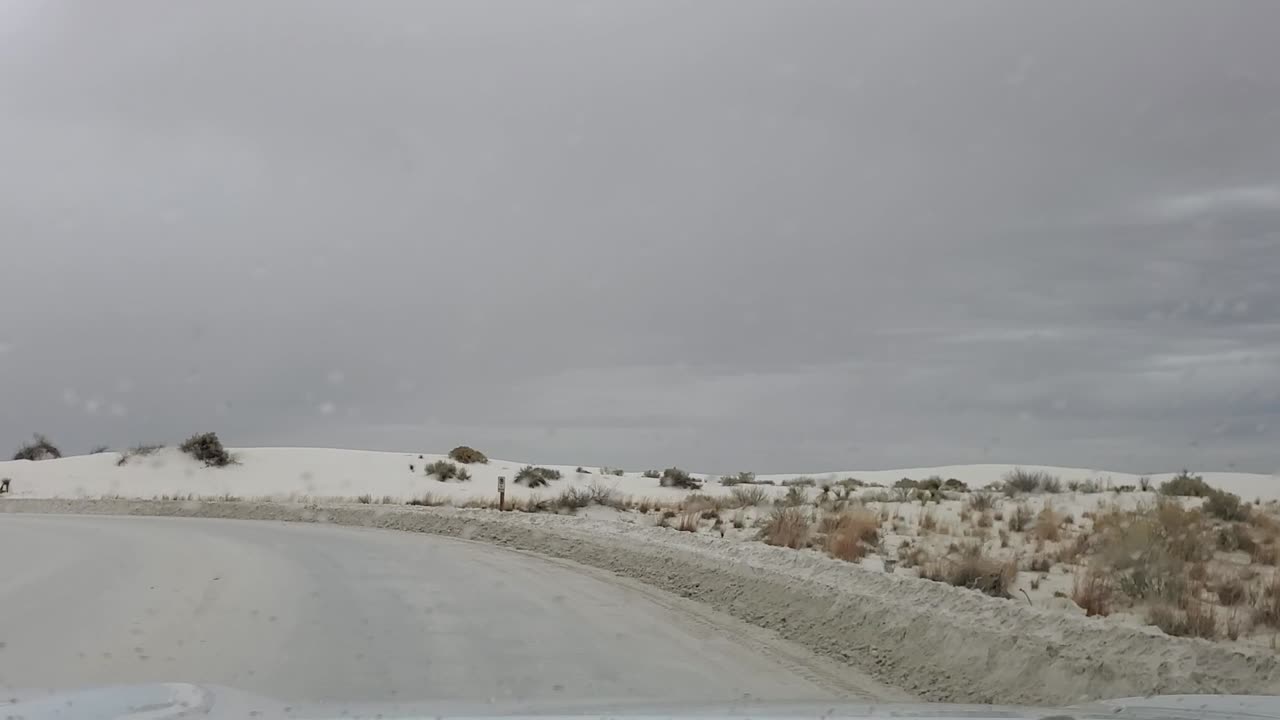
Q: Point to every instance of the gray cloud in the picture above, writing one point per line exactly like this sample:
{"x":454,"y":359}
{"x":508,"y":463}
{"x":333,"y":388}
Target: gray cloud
{"x":728,"y":234}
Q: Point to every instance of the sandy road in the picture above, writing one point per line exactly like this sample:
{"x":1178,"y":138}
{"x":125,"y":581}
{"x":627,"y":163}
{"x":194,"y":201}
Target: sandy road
{"x":314,"y":612}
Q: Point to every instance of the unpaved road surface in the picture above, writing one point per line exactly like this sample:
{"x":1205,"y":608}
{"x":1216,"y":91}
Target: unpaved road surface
{"x":320,"y":612}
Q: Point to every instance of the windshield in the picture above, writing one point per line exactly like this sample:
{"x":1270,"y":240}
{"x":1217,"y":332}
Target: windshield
{"x":546,"y":353}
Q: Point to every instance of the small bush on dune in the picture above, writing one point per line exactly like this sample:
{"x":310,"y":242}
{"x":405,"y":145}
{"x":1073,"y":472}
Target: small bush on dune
{"x":1225,"y":506}
{"x":606,"y":470}
{"x":850,"y":534}
{"x":786,"y":527}
{"x":1030,"y":481}
{"x":906,"y":484}
{"x":982,"y":501}
{"x":99,"y":449}
{"x":443,"y":470}
{"x":677,"y":478}
{"x":1184,"y":484}
{"x":1093,"y":593}
{"x":467,"y":455}
{"x":974,"y":571}
{"x":140,"y":450}
{"x":1194,"y":620}
{"x":531,"y":476}
{"x":800,"y":482}
{"x":38,"y":449}
{"x":573,"y":498}
{"x":741,"y":478}
{"x":207,"y":448}
{"x":1020,"y":519}
{"x":749,"y":496}
{"x":652,"y":474}
{"x":1048,"y":524}
{"x":795,"y":497}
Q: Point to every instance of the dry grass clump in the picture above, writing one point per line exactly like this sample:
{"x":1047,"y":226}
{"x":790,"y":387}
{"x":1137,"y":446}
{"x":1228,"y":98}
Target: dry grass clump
{"x":786,"y":527}
{"x":981,"y":502}
{"x":1093,"y":592}
{"x":1194,"y":619}
{"x":1021,"y":518}
{"x":749,"y":496}
{"x":444,"y":471}
{"x":1048,"y":525}
{"x":975,"y":571}
{"x":850,"y":534}
{"x":1030,"y":481}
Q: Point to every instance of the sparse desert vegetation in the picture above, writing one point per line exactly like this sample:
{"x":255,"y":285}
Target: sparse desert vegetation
{"x":533,"y":477}
{"x":467,"y":455}
{"x":208,"y":449}
{"x":39,"y":448}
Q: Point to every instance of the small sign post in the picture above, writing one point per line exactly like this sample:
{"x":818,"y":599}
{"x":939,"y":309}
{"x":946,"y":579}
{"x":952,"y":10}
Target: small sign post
{"x":502,"y":493}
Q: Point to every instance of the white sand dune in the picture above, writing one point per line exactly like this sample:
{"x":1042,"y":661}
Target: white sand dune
{"x":298,"y":473}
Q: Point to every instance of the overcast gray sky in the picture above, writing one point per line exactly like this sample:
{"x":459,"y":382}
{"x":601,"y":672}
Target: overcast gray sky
{"x":725,"y":234}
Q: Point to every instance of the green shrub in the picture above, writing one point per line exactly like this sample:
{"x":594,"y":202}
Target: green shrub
{"x":466,"y":455}
{"x":1225,"y":506}
{"x":207,"y":448}
{"x":1184,"y":484}
{"x":531,"y":476}
{"x":38,"y":449}
{"x":906,"y":484}
{"x":443,"y":470}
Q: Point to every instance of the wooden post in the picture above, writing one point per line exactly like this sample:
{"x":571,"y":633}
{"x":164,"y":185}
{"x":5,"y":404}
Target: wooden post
{"x":502,"y":494}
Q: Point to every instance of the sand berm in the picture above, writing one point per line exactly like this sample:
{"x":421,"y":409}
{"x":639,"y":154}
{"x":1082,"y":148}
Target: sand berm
{"x":936,"y":641}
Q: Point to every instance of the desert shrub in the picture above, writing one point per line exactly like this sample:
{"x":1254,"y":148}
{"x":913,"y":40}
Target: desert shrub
{"x":467,"y":455}
{"x":974,"y":571}
{"x":786,"y":527}
{"x":1195,"y":619}
{"x":1144,"y":484}
{"x":1048,"y":524}
{"x":1185,"y":484}
{"x":1148,"y":549}
{"x":795,"y":497}
{"x":928,"y":522}
{"x":442,"y":470}
{"x":653,"y":474}
{"x":574,"y":498}
{"x":850,"y":534}
{"x":955,"y":485}
{"x":749,"y":496}
{"x":800,"y":482}
{"x":1266,"y":605}
{"x":1029,"y":481}
{"x":982,"y":501}
{"x":906,"y":484}
{"x":207,"y":448}
{"x":464,"y":475}
{"x":1093,"y":592}
{"x":606,"y":470}
{"x":141,"y":450}
{"x":364,"y":499}
{"x":983,"y":520}
{"x":99,"y":449}
{"x":677,"y":478}
{"x":1020,"y":519}
{"x":1234,"y":537}
{"x":688,"y":523}
{"x":742,"y":478}
{"x":1230,"y":590}
{"x":38,"y":449}
{"x":531,"y":476}
{"x":1225,"y":506}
